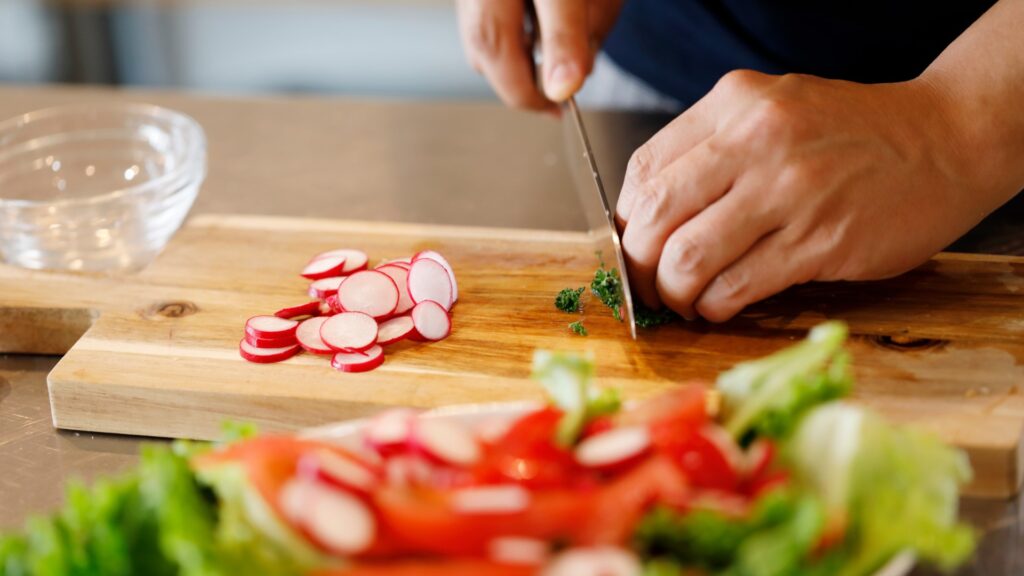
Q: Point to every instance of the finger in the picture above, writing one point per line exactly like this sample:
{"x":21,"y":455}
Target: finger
{"x":495,"y":43}
{"x":666,"y":202}
{"x":565,"y":41}
{"x":698,"y":251}
{"x":768,"y":268}
{"x":729,"y":97}
{"x":677,"y":138}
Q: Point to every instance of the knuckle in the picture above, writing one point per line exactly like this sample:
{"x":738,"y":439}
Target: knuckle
{"x":683,"y":255}
{"x":736,"y":82}
{"x":772,"y":116}
{"x":651,"y":200}
{"x":640,"y":165}
{"x":727,"y":297}
{"x":484,"y":38}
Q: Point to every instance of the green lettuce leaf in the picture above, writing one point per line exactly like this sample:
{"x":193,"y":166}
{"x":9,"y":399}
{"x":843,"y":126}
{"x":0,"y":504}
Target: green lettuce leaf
{"x":774,"y":540}
{"x":896,"y":487}
{"x":568,"y":380}
{"x":767,"y":396}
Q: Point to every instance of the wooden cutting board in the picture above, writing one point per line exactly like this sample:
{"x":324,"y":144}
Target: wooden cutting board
{"x":942,"y":347}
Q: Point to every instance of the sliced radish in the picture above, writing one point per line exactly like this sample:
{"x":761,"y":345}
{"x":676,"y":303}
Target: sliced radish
{"x":758,"y":458}
{"x":428,"y":280}
{"x":307,"y":309}
{"x":369,"y":291}
{"x":446,"y":442}
{"x":337,"y":520}
{"x":389,"y":433}
{"x":324,"y":287}
{"x":324,"y":268}
{"x":308,"y":336}
{"x":393,"y":330}
{"x":400,"y":276}
{"x":349,"y":332}
{"x":266,"y":355}
{"x":333,"y":306}
{"x":270,"y":327}
{"x":505,"y":499}
{"x":519,"y":551}
{"x":354,"y":259}
{"x":281,"y":342}
{"x":338,"y":470}
{"x":326,"y":309}
{"x":405,"y":471}
{"x":616,"y":447}
{"x":436,"y":257}
{"x":402,"y":263}
{"x":598,"y":561}
{"x":725,"y":444}
{"x":431,"y":321}
{"x":358,"y":361}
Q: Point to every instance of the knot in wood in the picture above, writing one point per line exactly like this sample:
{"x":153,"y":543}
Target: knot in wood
{"x":173,"y":309}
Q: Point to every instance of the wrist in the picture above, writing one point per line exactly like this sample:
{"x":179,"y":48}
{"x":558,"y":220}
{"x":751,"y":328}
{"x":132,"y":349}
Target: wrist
{"x":982,"y":152}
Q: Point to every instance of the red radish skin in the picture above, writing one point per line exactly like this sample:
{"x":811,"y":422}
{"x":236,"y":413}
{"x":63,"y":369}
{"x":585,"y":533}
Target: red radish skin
{"x":400,"y":276}
{"x":445,"y":442}
{"x":436,"y":257}
{"x":270,"y":327}
{"x":339,"y":471}
{"x":390,"y":432}
{"x":395,"y":330}
{"x":358,"y":361}
{"x":282,"y":342}
{"x":324,"y":287}
{"x":355,"y":260}
{"x":308,"y":336}
{"x":501,"y":499}
{"x":324,"y":268}
{"x":428,"y":280}
{"x":614,"y":448}
{"x":292,"y":312}
{"x":349,"y":332}
{"x":369,"y":291}
{"x":266,"y":355}
{"x":431,"y":321}
{"x":333,"y":306}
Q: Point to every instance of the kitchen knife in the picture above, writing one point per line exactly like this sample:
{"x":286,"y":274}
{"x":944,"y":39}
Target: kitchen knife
{"x":587,"y":179}
{"x":596,"y":209}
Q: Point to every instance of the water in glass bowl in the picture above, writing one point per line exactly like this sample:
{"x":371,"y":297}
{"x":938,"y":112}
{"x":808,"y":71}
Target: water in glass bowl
{"x":97,"y":188}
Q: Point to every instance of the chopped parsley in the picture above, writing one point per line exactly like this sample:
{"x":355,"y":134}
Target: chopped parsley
{"x":578,"y":328}
{"x":607,"y":286}
{"x":647,"y":318}
{"x":568,"y":300}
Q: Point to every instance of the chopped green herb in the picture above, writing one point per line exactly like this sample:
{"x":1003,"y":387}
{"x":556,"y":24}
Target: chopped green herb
{"x":578,"y":328}
{"x":647,"y":318}
{"x":607,"y":286}
{"x":568,"y":300}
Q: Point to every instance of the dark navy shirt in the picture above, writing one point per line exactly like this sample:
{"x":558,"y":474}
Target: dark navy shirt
{"x":682,"y":47}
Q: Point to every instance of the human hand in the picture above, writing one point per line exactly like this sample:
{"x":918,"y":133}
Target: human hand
{"x":496,"y":45}
{"x":771,"y":181}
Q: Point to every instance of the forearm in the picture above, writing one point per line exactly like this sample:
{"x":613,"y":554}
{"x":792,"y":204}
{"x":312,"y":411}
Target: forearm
{"x":979,"y":81}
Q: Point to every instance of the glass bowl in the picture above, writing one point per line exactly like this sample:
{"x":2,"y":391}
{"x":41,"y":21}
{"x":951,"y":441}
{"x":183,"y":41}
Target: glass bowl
{"x":96,"y":188}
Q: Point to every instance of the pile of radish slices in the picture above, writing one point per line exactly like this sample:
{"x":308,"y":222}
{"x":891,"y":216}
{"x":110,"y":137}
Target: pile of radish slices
{"x":357,"y":311}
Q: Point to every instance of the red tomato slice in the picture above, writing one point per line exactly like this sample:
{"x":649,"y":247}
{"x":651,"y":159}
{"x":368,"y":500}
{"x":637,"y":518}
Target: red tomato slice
{"x":672,"y":415}
{"x":426,"y":568}
{"x":704,"y":461}
{"x":527,"y":454}
{"x":426,"y":520}
{"x":270,"y":462}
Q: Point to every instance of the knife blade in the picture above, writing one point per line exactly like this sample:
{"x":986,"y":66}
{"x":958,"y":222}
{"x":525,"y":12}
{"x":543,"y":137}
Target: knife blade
{"x":583,"y":167}
{"x":594,"y":200}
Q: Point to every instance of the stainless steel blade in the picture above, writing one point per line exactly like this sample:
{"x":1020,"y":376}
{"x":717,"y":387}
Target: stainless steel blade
{"x":598,"y":212}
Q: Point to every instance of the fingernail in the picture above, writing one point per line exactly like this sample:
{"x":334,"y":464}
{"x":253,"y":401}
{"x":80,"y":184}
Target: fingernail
{"x":562,"y":81}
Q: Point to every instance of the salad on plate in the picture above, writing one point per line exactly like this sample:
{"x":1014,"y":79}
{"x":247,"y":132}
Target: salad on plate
{"x":768,"y":471}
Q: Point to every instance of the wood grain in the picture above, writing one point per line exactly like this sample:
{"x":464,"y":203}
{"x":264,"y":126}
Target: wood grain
{"x":942,"y":347}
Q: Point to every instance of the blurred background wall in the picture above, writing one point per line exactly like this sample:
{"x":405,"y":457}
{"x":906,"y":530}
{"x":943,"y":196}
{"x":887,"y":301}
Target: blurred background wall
{"x":391,"y":48}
